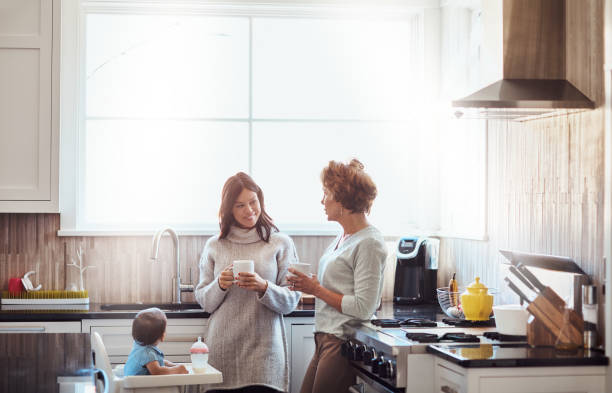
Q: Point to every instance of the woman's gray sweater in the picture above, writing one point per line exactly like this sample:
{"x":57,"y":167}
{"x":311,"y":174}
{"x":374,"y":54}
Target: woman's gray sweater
{"x":246,"y":333}
{"x":355,"y":270}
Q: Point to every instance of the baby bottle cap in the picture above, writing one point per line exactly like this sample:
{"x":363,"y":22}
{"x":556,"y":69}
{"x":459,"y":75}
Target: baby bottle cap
{"x":199,"y":347}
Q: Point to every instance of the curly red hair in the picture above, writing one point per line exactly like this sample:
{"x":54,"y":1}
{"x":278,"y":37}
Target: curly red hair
{"x":350,"y":185}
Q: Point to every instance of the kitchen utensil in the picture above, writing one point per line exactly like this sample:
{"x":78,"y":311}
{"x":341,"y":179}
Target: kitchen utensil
{"x":520,"y":276}
{"x":477,"y":303}
{"x":511,"y":319}
{"x":576,"y":322}
{"x":27,"y":284}
{"x":557,"y":320}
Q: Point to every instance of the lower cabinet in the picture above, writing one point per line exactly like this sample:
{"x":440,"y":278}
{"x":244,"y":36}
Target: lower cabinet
{"x":301,"y":346}
{"x":451,"y":378}
{"x":117,"y":337}
{"x":40,"y":327}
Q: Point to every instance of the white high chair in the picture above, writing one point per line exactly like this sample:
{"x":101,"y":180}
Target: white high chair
{"x":118,"y":383}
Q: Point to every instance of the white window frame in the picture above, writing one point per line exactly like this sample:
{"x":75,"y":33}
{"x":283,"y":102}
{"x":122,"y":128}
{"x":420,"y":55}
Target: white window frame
{"x":73,"y":95}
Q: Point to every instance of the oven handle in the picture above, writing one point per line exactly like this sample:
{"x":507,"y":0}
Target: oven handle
{"x":357,"y":388}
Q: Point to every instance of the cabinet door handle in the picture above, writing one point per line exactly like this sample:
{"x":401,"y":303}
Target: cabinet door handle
{"x":22,"y":329}
{"x":447,"y":389}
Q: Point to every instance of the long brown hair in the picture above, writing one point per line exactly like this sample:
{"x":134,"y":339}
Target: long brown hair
{"x":231,"y":190}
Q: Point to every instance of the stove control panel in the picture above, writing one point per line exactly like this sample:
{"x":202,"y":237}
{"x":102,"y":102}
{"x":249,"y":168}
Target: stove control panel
{"x":382,"y":366}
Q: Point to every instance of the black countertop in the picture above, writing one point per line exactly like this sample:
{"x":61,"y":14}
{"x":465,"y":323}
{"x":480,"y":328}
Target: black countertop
{"x":116,"y":311}
{"x":32,"y":362}
{"x":515,"y":355}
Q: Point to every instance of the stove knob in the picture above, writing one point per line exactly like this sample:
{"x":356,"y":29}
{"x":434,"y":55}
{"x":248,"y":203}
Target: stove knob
{"x":377,"y":363}
{"x":348,"y":350}
{"x":344,"y":348}
{"x":368,"y":355}
{"x":387,"y":370}
{"x":359,"y":352}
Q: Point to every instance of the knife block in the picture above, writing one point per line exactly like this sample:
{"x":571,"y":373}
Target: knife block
{"x":552,"y":321}
{"x":538,"y":335}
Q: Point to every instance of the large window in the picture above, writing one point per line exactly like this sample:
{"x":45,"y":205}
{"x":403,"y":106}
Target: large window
{"x":172,"y":100}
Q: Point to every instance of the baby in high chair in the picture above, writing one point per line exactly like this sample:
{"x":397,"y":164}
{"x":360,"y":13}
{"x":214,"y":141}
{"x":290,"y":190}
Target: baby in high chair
{"x":148,"y":330}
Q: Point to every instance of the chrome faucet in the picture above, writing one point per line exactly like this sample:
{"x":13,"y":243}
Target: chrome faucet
{"x":180,"y":288}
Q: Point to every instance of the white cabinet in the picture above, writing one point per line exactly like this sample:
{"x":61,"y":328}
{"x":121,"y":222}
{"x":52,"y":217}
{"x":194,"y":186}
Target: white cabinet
{"x":117,"y":337}
{"x":450,"y":378}
{"x":302,"y":347}
{"x":29,"y":124}
{"x":40,"y":327}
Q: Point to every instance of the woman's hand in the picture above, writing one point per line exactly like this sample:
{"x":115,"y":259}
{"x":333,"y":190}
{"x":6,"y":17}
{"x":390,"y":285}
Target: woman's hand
{"x":304,"y":283}
{"x":226,"y":278}
{"x":252,"y":282}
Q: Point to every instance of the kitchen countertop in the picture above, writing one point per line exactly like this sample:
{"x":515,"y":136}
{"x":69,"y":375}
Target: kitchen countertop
{"x":515,"y":355}
{"x":32,"y":362}
{"x":118,"y":311}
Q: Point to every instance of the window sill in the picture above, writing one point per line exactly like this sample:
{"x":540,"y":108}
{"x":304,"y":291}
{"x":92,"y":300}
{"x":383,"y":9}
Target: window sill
{"x":202,"y":232}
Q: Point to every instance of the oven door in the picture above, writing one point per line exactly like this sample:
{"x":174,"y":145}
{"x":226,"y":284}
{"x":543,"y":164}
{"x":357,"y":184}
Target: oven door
{"x":369,"y":383}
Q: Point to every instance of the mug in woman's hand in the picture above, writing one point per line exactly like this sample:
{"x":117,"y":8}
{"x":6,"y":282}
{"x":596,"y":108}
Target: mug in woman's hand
{"x":301,"y":267}
{"x":243,"y":266}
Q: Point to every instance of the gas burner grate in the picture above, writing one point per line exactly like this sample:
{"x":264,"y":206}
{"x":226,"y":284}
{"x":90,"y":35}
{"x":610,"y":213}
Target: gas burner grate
{"x":456,"y":337}
{"x":504,"y":337}
{"x":418,"y":322}
{"x":459,"y":338}
{"x":386,"y":322}
{"x":466,"y":323}
{"x":423,"y":337}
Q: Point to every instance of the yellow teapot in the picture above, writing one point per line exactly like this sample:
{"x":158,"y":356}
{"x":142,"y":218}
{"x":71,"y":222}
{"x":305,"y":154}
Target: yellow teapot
{"x":477,"y":304}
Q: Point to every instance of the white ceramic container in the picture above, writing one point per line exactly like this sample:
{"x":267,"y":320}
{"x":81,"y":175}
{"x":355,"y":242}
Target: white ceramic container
{"x":511,"y":319}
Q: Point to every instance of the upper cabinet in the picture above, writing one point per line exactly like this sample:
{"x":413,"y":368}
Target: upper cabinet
{"x":29,"y":121}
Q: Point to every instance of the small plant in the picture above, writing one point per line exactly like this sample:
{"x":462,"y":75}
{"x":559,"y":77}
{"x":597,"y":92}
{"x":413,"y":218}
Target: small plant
{"x":80,"y":267}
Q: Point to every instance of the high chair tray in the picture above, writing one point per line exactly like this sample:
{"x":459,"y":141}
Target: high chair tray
{"x":211,"y":375}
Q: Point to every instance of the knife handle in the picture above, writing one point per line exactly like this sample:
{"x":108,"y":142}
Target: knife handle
{"x":516,"y":290}
{"x":520,"y":276}
{"x":530,"y":277}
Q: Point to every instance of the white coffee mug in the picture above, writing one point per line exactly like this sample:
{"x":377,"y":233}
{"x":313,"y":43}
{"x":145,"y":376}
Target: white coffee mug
{"x":301,"y":267}
{"x":243,"y":266}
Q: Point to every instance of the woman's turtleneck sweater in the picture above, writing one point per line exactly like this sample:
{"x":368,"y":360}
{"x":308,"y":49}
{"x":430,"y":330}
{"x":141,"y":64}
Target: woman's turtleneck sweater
{"x":246,"y":334}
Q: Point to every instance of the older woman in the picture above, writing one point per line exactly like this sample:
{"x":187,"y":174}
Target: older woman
{"x":246,"y":333}
{"x":349,"y":282}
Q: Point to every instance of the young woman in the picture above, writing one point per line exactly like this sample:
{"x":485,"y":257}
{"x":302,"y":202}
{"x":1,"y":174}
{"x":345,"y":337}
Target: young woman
{"x":246,"y":334}
{"x":349,"y":282}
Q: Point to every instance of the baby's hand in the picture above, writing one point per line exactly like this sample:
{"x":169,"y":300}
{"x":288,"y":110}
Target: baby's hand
{"x":181,"y":369}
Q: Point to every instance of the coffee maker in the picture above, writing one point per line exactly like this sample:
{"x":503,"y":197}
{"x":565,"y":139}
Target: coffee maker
{"x":416,"y":270}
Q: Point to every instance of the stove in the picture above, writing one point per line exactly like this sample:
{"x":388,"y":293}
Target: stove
{"x":391,"y":354}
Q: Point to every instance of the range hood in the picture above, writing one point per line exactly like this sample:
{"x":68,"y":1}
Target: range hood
{"x":533,"y":80}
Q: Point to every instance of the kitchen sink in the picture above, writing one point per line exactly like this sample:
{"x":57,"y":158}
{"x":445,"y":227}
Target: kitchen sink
{"x":142,"y":306}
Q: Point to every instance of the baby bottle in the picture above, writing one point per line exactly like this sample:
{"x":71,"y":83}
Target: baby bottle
{"x":199,"y":356}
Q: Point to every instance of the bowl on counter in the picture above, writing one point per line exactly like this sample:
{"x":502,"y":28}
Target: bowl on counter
{"x":450,"y":302}
{"x":511,"y":319}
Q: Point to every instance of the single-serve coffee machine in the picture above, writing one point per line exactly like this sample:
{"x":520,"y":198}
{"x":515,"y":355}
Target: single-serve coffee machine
{"x":416,"y":270}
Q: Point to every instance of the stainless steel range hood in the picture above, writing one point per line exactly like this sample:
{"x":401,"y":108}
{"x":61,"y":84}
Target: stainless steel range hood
{"x":524,"y":99}
{"x":532,"y":65}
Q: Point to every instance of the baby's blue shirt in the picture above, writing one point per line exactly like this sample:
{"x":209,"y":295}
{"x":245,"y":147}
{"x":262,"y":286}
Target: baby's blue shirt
{"x":139,"y":357}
